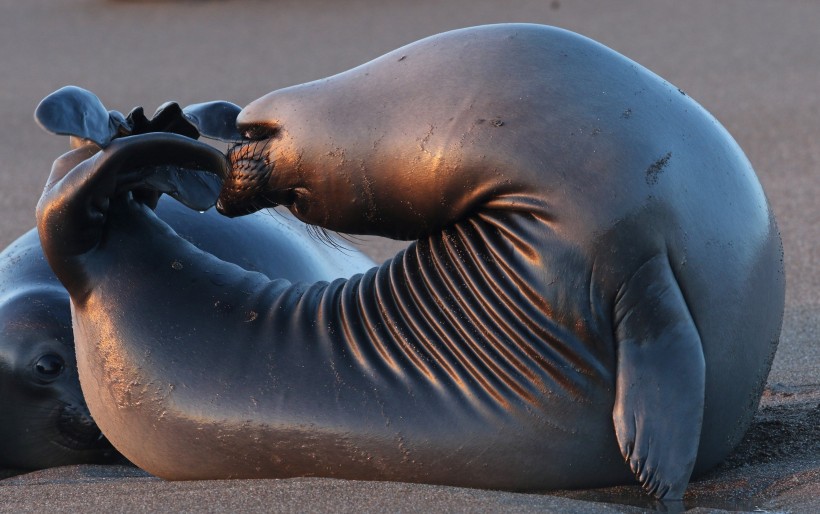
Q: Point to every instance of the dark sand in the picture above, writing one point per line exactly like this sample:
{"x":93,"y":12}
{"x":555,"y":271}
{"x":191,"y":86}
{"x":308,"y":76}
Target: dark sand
{"x":755,"y":64}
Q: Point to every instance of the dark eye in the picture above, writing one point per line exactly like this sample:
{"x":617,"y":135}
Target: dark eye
{"x":49,"y":366}
{"x":259,"y":132}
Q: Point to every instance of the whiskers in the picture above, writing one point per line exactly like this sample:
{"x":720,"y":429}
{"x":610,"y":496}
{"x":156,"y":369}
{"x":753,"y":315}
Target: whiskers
{"x":250,"y":162}
{"x":254,"y":151}
{"x":34,"y":413}
{"x":322,"y":235}
{"x":37,"y":441}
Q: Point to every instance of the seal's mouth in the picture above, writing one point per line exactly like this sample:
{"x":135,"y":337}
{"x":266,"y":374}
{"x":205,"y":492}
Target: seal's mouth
{"x":79,"y":433}
{"x":78,"y":430}
{"x":245,"y":188}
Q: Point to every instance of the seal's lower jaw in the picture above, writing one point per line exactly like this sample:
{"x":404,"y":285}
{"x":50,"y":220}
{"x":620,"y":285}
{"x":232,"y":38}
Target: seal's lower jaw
{"x":80,"y":440}
{"x":78,"y":430}
{"x":231,"y":211}
{"x":237,"y":201}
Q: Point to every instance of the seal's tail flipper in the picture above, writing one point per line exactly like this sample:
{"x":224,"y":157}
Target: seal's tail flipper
{"x":215,"y":120}
{"x":74,"y":111}
{"x":74,"y":206}
{"x":660,"y":380}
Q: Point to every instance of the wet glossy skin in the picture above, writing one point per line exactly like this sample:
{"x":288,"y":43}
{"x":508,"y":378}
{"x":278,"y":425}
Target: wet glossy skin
{"x":597,"y":277}
{"x":43,"y":418}
{"x":44,"y":421}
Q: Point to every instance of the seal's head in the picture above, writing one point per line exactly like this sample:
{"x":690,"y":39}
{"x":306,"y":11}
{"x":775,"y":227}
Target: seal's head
{"x":266,"y":166}
{"x":44,"y":421}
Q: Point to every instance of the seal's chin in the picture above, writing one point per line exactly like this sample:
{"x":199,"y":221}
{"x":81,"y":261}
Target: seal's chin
{"x":245,"y":188}
{"x":78,"y":430}
{"x":80,"y":434}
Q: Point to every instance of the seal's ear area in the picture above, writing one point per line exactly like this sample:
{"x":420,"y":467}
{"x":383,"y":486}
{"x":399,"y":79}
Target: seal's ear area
{"x":660,"y":383}
{"x":73,"y":111}
{"x":215,"y":120}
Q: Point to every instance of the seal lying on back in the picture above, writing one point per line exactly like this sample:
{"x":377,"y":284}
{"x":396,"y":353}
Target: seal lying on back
{"x":597,"y":278}
{"x":44,"y":421}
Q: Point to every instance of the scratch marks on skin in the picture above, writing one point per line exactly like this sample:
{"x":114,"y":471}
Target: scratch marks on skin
{"x":426,"y":139}
{"x":495,"y":122}
{"x":656,"y":168}
{"x":377,"y":142}
{"x":370,"y":198}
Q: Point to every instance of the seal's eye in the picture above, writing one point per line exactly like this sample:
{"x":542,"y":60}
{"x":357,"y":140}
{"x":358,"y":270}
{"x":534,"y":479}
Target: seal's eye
{"x":49,"y":366}
{"x":258,"y":132}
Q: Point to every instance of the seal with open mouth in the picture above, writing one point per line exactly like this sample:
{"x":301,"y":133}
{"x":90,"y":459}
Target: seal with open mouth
{"x":594,"y":295}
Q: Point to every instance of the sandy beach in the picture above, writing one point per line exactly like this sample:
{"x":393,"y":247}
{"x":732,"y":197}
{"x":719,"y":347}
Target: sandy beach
{"x":754,"y":64}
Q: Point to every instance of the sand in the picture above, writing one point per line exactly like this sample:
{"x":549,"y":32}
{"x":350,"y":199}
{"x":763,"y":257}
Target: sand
{"x":754,"y":64}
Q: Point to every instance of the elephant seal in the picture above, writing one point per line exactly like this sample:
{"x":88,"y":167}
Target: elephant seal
{"x":594,"y":295}
{"x":44,"y":421}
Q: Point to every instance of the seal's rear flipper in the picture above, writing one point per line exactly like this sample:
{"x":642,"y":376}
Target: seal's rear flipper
{"x":215,"y":120}
{"x":660,"y":380}
{"x":74,"y":111}
{"x":193,"y":188}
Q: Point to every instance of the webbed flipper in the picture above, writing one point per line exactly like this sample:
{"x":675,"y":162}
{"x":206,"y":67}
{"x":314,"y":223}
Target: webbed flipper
{"x":215,"y":120}
{"x":660,"y":380}
{"x":74,"y":111}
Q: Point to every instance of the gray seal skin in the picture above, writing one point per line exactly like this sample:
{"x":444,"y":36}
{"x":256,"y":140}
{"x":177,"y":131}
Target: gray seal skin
{"x":44,"y":421}
{"x":43,"y":418}
{"x":594,"y":295}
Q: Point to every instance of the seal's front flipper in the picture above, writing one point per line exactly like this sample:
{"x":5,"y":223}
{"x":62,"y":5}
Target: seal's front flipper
{"x":660,"y":380}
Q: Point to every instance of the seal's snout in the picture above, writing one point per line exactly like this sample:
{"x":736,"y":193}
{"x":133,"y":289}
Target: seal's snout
{"x":78,"y":428}
{"x":247,"y":181}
